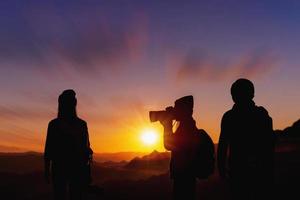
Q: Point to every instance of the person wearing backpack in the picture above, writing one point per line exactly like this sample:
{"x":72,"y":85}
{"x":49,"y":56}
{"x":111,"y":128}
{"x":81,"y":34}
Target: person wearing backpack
{"x":67,"y":152}
{"x":247,"y":133}
{"x":188,"y":147}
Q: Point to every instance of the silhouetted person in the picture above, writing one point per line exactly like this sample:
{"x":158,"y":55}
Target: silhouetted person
{"x":247,"y":136}
{"x":182,"y":146}
{"x":67,"y":150}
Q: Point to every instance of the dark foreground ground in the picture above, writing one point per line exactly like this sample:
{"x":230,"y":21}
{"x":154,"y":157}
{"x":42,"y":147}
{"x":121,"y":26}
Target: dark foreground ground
{"x":21,"y":178}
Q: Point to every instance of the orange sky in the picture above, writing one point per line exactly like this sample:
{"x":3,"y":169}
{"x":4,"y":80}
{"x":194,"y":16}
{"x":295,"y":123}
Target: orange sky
{"x":124,"y":60}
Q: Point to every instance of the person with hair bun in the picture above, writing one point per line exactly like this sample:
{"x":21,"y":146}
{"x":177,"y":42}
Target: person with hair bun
{"x":67,"y":152}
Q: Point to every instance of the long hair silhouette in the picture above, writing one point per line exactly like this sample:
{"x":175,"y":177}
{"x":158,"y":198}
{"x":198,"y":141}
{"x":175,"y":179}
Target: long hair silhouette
{"x":67,"y":105}
{"x":67,"y":150}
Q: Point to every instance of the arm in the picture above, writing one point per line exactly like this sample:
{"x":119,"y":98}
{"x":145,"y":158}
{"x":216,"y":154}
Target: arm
{"x":88,"y":145}
{"x":168,"y":134}
{"x":48,"y":152}
{"x":268,"y":145}
{"x":88,"y":155}
{"x":222,"y":149}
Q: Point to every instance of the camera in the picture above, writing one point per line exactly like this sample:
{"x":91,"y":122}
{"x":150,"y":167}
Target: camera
{"x":183,"y":108}
{"x":161,"y":115}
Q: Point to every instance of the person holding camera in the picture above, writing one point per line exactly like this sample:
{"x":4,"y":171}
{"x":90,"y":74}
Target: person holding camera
{"x":183,"y":144}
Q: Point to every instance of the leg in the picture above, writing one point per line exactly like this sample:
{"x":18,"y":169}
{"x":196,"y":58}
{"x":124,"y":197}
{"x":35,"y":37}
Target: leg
{"x":184,"y":188}
{"x":75,"y":192}
{"x":239,"y":189}
{"x":76,"y":188}
{"x":60,"y":188}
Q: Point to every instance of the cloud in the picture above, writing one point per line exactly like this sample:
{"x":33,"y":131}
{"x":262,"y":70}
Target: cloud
{"x":84,"y":40}
{"x":21,"y":112}
{"x":199,"y":66}
{"x":118,"y":110}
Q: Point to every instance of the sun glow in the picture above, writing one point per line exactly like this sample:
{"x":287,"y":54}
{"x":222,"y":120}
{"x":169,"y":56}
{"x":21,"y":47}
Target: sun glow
{"x":149,"y":137}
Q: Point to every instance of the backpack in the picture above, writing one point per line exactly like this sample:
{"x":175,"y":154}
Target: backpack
{"x":205,"y":155}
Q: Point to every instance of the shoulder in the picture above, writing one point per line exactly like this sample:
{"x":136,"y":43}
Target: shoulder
{"x":262,"y":111}
{"x":81,"y":122}
{"x":53,"y":125}
{"x":53,"y":122}
{"x":227,"y":115}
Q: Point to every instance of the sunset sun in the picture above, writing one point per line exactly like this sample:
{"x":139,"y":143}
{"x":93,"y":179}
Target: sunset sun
{"x":149,"y":137}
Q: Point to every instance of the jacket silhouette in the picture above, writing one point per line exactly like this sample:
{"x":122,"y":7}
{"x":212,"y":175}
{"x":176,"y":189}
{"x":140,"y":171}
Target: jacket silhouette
{"x":182,"y":144}
{"x":67,"y":150}
{"x":247,"y":134}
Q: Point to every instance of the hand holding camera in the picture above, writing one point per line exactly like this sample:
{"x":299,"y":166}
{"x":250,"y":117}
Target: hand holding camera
{"x":165,"y":117}
{"x":168,"y":118}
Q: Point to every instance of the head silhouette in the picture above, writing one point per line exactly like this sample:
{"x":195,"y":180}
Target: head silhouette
{"x":242,"y":91}
{"x":67,"y":104}
{"x":184,"y":108}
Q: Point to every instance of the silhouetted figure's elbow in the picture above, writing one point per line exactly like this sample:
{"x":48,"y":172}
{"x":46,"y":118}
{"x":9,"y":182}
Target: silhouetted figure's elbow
{"x":168,"y":146}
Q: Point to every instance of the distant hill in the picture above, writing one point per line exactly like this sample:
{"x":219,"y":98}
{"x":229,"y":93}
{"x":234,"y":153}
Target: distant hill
{"x":291,"y":131}
{"x":21,"y":162}
{"x":154,"y":161}
{"x":5,"y":148}
{"x":107,"y":158}
{"x":113,"y":164}
{"x":117,"y":157}
{"x":144,"y":177}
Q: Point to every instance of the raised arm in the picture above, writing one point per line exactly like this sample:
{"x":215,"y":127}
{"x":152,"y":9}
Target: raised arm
{"x":222,"y":148}
{"x":168,"y":134}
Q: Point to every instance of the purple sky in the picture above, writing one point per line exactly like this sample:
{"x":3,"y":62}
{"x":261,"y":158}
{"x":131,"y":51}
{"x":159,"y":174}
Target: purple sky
{"x":124,"y":58}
